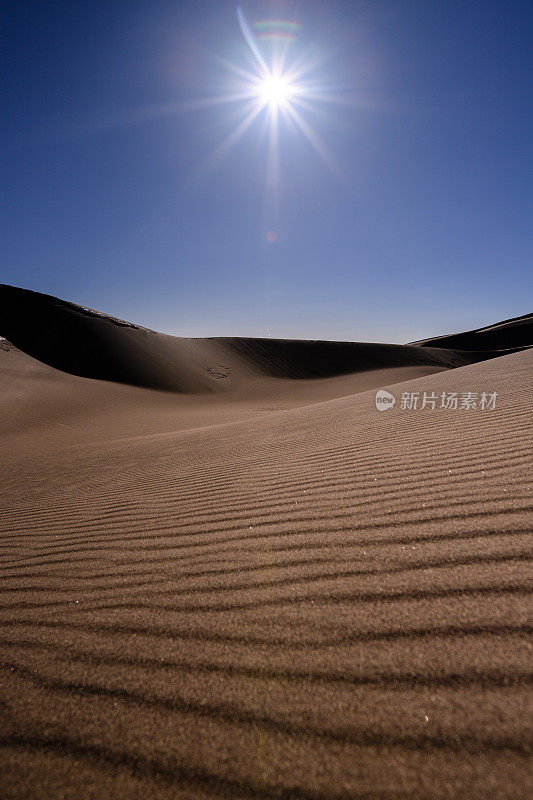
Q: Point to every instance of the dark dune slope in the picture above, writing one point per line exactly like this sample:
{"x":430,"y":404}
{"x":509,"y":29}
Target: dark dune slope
{"x":93,"y":345}
{"x":318,"y":359}
{"x":90,"y":344}
{"x":511,"y":333}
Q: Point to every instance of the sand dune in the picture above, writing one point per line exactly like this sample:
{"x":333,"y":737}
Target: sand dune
{"x":39,"y":401}
{"x":88,"y":343}
{"x":271,"y":590}
{"x":511,"y":333}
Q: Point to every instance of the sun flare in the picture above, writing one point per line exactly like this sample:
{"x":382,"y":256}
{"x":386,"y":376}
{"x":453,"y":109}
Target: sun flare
{"x":275,"y":90}
{"x":279,"y":91}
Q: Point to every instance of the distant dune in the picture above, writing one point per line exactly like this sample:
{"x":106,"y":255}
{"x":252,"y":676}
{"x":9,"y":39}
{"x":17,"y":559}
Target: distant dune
{"x":257,"y":585}
{"x":511,"y":333}
{"x":94,"y":345}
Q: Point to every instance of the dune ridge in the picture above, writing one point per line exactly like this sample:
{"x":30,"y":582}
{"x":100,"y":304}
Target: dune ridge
{"x":91,"y":344}
{"x":511,"y":333}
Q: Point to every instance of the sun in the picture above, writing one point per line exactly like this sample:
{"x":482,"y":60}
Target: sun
{"x":279,"y":90}
{"x":275,"y":90}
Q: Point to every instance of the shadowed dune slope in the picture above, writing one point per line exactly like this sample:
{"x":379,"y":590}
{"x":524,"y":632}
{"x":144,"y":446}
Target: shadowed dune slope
{"x":509,"y":334}
{"x":90,"y":344}
{"x":318,"y":603}
{"x":86,"y":343}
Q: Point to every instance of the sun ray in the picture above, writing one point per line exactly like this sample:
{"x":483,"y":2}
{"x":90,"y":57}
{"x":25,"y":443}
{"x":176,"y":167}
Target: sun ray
{"x":273,"y":154}
{"x":246,"y":74}
{"x":236,"y":134}
{"x":313,"y":138}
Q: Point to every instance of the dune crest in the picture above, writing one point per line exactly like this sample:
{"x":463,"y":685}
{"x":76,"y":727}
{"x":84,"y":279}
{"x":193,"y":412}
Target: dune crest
{"x":511,"y":333}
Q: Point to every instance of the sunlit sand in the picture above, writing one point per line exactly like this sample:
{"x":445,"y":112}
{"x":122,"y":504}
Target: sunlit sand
{"x":225,"y":573}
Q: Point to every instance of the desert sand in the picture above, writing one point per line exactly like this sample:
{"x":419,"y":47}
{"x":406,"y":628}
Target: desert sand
{"x":226,"y":574}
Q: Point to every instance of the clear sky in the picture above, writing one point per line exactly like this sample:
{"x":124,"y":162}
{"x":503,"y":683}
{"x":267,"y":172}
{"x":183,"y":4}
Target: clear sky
{"x":385,"y":196}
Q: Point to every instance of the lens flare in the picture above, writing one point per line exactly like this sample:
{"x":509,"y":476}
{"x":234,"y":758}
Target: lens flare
{"x":278,"y":91}
{"x":277,"y":31}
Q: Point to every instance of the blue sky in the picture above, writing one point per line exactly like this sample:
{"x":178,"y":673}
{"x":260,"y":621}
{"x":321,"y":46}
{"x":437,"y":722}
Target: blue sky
{"x":112,"y":196}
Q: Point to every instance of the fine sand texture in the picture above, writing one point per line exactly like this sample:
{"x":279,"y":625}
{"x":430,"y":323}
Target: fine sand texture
{"x":267,"y":590}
